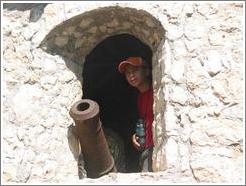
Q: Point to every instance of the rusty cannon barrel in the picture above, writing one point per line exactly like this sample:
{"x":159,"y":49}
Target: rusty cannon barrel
{"x":94,"y":147}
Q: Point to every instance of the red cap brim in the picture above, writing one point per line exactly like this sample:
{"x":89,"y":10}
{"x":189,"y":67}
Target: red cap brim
{"x":135,"y":61}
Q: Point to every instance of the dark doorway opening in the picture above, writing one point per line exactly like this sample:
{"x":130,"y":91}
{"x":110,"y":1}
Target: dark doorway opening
{"x":117,"y":99}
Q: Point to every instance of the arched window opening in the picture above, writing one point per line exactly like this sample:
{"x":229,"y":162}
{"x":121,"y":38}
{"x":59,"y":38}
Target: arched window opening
{"x":117,"y":99}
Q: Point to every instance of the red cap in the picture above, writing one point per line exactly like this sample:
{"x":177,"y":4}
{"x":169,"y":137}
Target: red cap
{"x":135,"y":61}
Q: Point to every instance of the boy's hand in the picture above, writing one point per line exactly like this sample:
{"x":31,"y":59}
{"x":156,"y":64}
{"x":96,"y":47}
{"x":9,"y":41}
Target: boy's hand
{"x":135,"y":142}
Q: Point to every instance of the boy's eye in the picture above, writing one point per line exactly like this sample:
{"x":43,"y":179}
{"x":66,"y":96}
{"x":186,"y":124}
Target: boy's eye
{"x":131,"y":72}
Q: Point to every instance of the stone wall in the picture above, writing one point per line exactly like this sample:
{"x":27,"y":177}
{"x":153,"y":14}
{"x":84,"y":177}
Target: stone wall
{"x":198,"y":72}
{"x":203,"y":89}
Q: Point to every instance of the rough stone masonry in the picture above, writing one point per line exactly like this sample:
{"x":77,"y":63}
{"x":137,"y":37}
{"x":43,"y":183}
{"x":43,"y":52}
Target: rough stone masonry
{"x":198,"y":80}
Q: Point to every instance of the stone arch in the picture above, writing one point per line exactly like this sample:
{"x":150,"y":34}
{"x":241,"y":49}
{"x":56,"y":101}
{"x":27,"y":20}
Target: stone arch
{"x":75,"y":38}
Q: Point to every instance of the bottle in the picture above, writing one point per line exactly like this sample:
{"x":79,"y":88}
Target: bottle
{"x":140,"y":133}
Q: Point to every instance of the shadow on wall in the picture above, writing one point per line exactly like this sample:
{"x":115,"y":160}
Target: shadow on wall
{"x":36,"y":9}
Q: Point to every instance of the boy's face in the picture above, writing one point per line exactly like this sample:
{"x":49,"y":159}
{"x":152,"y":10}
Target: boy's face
{"x":135,"y":75}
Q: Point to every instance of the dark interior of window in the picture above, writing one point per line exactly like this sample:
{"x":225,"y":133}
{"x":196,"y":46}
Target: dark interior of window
{"x":104,"y":84}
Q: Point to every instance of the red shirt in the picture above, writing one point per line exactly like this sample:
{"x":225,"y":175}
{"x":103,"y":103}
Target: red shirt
{"x":145,"y":111}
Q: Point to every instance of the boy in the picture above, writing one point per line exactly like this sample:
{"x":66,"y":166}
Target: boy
{"x":138,"y":75}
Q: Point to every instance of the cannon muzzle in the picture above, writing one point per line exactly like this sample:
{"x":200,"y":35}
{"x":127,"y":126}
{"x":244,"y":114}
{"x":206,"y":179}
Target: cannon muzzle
{"x":94,"y":147}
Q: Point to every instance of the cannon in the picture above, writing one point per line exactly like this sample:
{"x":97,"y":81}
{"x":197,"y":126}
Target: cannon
{"x":97,"y":157}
